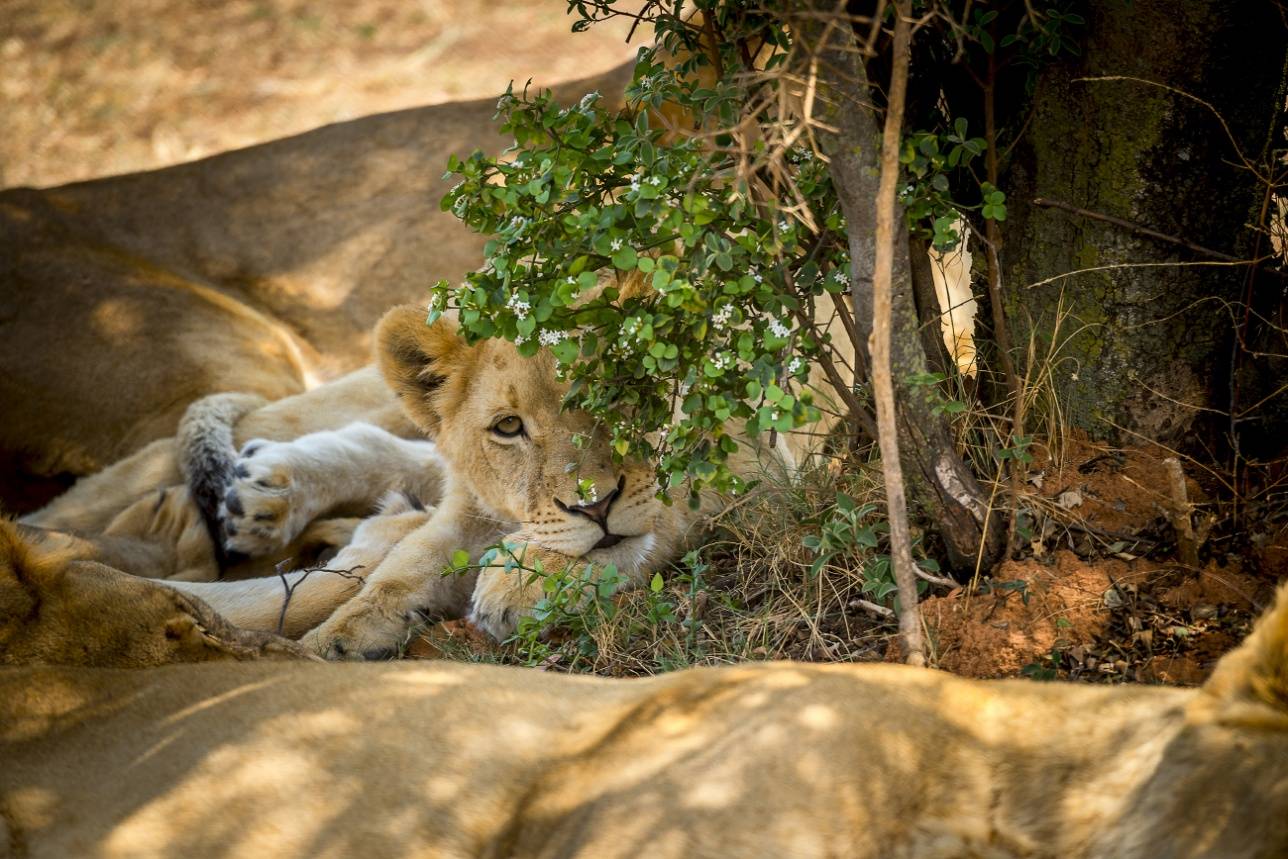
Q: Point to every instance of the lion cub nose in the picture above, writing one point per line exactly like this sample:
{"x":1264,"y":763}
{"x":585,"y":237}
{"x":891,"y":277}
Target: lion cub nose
{"x":598,"y":511}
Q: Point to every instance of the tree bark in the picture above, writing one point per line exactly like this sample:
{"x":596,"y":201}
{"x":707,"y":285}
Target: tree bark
{"x":1152,"y":345}
{"x":943,"y":485}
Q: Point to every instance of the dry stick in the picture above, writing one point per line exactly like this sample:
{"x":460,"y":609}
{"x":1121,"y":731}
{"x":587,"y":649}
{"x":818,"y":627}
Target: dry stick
{"x":281,"y":570}
{"x":901,"y":560}
{"x":1134,"y":227}
{"x":1188,"y":541}
{"x":1001,"y":328}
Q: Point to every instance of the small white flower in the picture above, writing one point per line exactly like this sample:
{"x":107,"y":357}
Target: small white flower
{"x":550,"y":338}
{"x":778,"y":329}
{"x":794,"y":366}
{"x":520,"y":339}
{"x":783,"y":225}
{"x":616,"y":244}
{"x":722,"y":315}
{"x":756,"y":275}
{"x":635,"y":182}
{"x":519,"y":306}
{"x":655,"y":181}
{"x":839,"y":276}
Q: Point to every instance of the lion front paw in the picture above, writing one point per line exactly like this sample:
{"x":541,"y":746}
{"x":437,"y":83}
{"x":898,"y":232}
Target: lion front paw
{"x":503,"y":596}
{"x":265,"y":507}
{"x":374,"y":626}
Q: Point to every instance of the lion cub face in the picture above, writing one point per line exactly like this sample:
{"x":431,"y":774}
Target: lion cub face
{"x":496,"y":418}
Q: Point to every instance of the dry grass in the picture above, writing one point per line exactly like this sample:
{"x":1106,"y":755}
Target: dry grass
{"x":96,"y":87}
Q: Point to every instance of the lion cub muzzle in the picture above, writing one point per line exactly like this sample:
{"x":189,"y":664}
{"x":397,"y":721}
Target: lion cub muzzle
{"x":597,"y":512}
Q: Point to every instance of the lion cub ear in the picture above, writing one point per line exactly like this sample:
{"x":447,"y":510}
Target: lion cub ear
{"x":416,"y":359}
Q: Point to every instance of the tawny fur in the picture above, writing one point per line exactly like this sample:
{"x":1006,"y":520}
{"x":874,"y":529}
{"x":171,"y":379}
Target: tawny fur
{"x":57,"y":610}
{"x":517,"y":490}
{"x":338,"y":447}
{"x":311,"y":595}
{"x":774,"y":760}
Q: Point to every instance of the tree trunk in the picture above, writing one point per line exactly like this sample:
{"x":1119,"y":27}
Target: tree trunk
{"x":942,"y":483}
{"x":1153,"y":345}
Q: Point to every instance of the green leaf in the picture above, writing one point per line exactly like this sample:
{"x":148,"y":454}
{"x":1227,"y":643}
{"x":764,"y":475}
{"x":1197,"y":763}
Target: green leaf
{"x":624,"y":259}
{"x":656,"y":584}
{"x":460,"y":559}
{"x":566,"y":351}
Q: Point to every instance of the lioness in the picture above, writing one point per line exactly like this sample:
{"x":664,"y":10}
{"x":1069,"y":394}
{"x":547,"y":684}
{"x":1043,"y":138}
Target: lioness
{"x":771,"y":760}
{"x":57,"y":610}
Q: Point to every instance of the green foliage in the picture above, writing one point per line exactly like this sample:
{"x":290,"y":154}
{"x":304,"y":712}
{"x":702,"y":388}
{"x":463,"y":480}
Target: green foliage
{"x":933,"y":383}
{"x":1018,"y":451}
{"x":930,"y":159}
{"x":851,"y":532}
{"x":721,"y":338}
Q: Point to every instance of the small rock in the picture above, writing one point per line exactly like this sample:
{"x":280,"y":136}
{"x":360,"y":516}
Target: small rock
{"x":1203,"y":611}
{"x":1069,"y":499}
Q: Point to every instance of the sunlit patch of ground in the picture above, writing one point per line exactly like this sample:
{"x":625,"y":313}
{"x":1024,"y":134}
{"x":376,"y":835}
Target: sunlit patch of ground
{"x":96,"y":87}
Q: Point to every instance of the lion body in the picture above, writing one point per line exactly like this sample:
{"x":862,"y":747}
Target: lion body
{"x":771,"y":760}
{"x":337,"y":449}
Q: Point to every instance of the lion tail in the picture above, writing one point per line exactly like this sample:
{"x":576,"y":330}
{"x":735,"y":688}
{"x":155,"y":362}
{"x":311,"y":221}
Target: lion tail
{"x":207,"y":454}
{"x":1257,"y":671}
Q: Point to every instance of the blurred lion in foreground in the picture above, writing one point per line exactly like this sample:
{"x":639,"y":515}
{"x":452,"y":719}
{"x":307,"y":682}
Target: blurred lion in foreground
{"x":771,"y":760}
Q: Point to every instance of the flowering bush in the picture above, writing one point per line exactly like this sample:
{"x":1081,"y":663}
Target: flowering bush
{"x":590,"y":201}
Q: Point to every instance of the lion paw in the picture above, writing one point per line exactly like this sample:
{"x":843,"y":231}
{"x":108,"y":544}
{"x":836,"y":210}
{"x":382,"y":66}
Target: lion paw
{"x":265,"y":507}
{"x":501,"y":597}
{"x":376,"y":629}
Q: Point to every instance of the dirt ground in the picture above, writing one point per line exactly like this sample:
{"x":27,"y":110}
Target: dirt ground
{"x":1096,"y":595}
{"x":95,"y":87}
{"x":1099,"y":593}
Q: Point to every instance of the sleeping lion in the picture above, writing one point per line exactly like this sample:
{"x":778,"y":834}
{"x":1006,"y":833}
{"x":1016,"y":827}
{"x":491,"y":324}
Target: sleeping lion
{"x":771,"y":760}
{"x":503,"y":468}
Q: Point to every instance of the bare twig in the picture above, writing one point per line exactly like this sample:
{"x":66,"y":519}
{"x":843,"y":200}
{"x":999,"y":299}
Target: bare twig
{"x":901,"y":561}
{"x":872,"y":608}
{"x":1015,"y":466}
{"x":289,"y":586}
{"x":1134,"y":227}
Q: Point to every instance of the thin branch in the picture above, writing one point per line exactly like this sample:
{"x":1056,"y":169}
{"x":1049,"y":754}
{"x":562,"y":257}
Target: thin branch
{"x":1134,"y":227}
{"x":289,"y":587}
{"x":901,"y":561}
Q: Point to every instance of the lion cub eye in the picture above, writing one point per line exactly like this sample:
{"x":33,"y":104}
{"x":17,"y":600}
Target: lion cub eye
{"x":508,"y":426}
